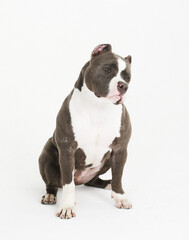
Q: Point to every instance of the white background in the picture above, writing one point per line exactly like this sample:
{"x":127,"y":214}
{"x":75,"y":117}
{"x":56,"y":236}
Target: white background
{"x":43,"y":46}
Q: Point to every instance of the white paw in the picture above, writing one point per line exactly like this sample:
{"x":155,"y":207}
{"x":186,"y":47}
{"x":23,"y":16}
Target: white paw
{"x":66,"y":212}
{"x":67,"y":209}
{"x":121,"y":200}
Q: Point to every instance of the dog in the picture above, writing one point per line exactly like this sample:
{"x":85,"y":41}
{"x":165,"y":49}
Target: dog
{"x":92,"y":133}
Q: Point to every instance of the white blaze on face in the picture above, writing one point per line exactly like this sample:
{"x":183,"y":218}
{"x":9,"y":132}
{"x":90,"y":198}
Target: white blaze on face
{"x":113,"y":94}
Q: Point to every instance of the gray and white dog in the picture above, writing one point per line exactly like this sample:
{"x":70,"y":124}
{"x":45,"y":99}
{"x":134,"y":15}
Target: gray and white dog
{"x":92,"y":133}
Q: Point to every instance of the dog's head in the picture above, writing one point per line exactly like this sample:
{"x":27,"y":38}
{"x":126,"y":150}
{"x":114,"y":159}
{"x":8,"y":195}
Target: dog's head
{"x":108,"y":75}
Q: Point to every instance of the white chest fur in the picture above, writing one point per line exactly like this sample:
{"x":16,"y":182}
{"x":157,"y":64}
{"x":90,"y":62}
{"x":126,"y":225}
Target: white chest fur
{"x":96,"y":122}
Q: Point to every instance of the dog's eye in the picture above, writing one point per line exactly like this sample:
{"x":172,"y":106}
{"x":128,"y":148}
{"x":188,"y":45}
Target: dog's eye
{"x":127,"y":79}
{"x":107,"y":70}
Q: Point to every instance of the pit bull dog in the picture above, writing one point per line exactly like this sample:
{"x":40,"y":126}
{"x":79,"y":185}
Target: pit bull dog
{"x":92,"y":133}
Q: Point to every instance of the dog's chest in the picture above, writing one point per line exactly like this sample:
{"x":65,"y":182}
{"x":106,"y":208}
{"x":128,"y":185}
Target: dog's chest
{"x":95,"y":126}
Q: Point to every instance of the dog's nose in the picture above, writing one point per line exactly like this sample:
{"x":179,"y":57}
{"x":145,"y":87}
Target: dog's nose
{"x":122,"y":87}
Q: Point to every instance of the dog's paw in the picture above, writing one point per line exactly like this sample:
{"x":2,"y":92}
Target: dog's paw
{"x":121,"y":201}
{"x":66,"y":212}
{"x":49,"y":199}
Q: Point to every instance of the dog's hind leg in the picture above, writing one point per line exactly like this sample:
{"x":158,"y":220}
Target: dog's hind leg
{"x":50,"y":172}
{"x":99,"y":183}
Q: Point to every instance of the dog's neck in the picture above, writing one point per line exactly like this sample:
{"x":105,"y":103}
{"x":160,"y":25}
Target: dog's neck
{"x":90,"y":98}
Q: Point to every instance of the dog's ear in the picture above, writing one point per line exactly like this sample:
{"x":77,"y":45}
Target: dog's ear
{"x":129,"y":58}
{"x":100,"y":49}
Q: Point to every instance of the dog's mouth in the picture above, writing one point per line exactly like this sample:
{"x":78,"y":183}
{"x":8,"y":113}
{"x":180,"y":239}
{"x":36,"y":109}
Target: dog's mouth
{"x":120,"y":101}
{"x":116,"y":99}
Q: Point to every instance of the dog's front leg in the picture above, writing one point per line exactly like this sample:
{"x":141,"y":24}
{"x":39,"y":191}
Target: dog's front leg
{"x":66,"y":160}
{"x":118,"y":160}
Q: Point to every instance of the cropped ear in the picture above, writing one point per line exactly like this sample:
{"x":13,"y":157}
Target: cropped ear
{"x":129,"y":58}
{"x":100,"y":49}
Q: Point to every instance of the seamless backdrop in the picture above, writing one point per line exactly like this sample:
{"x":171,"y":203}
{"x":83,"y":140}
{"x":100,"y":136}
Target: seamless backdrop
{"x":43,"y":46}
